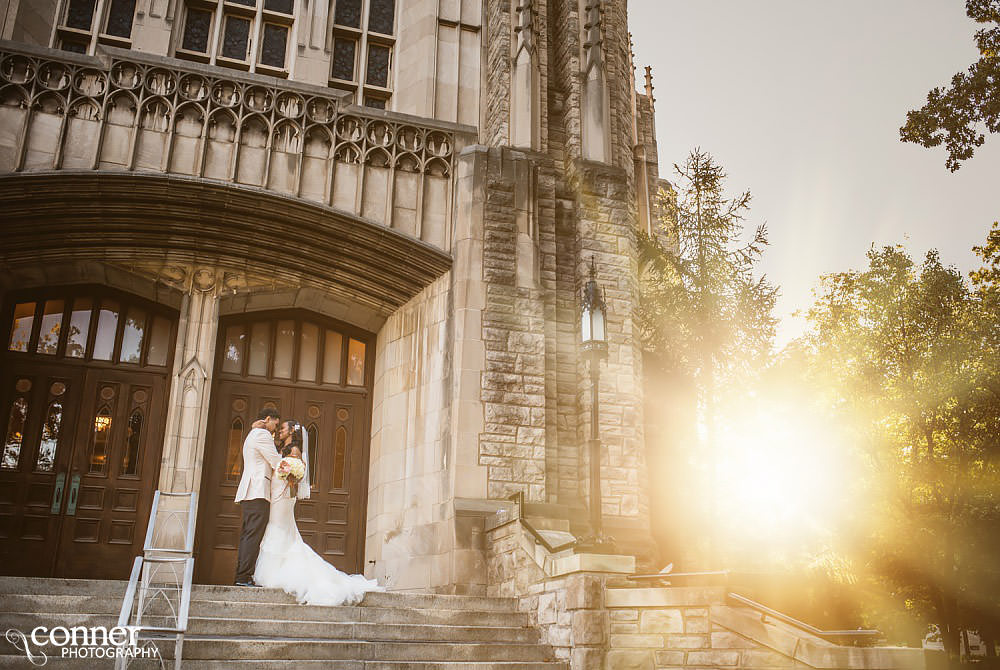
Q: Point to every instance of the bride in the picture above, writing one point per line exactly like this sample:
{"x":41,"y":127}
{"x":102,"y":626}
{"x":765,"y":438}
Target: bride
{"x":286,"y":561}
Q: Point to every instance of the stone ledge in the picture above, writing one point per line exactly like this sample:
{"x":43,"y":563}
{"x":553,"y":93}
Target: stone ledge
{"x":592,"y":563}
{"x":677,"y":596}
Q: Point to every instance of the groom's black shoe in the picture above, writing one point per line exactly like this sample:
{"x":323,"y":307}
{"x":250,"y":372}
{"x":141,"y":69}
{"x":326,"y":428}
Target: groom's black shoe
{"x":250,"y":583}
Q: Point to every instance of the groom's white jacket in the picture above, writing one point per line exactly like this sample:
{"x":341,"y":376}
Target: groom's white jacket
{"x":259,"y":460}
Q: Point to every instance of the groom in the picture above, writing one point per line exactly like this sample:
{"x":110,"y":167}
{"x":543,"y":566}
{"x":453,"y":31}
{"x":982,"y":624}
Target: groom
{"x":254,"y":492}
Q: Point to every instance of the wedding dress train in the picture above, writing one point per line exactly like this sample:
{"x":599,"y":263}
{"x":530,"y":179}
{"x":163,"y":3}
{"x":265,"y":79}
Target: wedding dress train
{"x":288,"y":563}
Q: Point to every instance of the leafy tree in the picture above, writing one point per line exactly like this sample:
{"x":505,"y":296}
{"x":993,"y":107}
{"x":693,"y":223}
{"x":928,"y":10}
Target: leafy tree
{"x":956,"y":116}
{"x":706,"y":317}
{"x":908,"y":354}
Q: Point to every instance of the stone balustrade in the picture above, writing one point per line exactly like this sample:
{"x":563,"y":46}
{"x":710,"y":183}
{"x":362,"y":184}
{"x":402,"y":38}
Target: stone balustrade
{"x":126,"y":111}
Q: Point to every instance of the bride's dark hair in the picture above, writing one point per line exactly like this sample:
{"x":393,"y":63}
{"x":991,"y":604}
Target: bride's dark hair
{"x":296,"y":440}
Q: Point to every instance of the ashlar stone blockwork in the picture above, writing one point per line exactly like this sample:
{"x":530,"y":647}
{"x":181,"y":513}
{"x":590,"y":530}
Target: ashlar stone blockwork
{"x":513,"y":383}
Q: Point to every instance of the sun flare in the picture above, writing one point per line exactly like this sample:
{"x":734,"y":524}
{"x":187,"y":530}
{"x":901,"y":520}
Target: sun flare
{"x":779,"y":473}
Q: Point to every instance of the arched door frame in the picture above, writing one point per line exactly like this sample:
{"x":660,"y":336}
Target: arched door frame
{"x":102,"y":512}
{"x":281,"y":390}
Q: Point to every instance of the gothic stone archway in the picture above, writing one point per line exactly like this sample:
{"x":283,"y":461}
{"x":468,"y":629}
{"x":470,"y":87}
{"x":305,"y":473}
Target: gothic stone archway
{"x":318,"y":372}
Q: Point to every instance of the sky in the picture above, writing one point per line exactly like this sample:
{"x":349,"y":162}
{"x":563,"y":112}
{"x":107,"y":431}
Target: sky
{"x":801,"y":102}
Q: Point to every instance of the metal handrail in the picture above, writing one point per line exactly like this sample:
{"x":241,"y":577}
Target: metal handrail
{"x":153,"y":515}
{"x":784,"y":618}
{"x":678,"y":575}
{"x":518,"y":499}
{"x":133,"y":585}
{"x":144,"y":570}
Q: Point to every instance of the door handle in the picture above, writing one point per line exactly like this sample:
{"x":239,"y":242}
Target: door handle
{"x":74,"y":493}
{"x":57,"y":494}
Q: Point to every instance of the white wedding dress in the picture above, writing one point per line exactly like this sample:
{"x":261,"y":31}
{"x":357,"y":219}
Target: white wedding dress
{"x":286,"y":562}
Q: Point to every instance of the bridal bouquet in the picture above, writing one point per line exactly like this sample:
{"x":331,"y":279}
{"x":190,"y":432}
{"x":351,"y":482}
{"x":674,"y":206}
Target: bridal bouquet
{"x":291,"y":469}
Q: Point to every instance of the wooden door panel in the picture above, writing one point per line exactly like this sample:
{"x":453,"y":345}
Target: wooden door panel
{"x":30,"y":510}
{"x":331,"y":520}
{"x":114,"y":471}
{"x":235,"y":408}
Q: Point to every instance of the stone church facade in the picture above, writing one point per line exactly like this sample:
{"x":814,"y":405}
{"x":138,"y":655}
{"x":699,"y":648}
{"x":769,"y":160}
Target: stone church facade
{"x":376,"y":216}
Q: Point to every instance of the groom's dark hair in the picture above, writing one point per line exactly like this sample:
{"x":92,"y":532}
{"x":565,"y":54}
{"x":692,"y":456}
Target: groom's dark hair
{"x":268,"y":413}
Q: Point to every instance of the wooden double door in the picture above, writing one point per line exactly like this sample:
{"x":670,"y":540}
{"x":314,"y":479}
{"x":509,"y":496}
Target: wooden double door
{"x":81,"y":460}
{"x":332,"y":519}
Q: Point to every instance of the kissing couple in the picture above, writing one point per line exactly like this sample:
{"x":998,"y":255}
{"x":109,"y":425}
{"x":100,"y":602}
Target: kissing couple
{"x":272,"y":553}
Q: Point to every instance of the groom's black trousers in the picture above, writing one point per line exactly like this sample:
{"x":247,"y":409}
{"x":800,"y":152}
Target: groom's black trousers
{"x":255,"y":513}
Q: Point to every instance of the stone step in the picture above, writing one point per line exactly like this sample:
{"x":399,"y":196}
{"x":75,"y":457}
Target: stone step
{"x":298,"y":628}
{"x":93,"y":587}
{"x":250,"y":629}
{"x":59,"y":586}
{"x":19,"y":662}
{"x":232,"y":648}
{"x":229,"y":648}
{"x":229,"y":609}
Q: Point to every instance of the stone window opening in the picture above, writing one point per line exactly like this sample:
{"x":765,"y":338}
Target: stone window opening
{"x":83,"y":24}
{"x":250,"y":35}
{"x":361,"y":60}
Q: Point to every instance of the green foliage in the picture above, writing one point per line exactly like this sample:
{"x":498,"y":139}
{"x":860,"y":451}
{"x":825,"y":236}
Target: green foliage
{"x":704,"y":311}
{"x":706,"y":322}
{"x":908,"y":356}
{"x":956,"y":116}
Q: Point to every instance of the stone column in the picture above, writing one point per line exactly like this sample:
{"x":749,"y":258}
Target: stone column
{"x":189,"y":396}
{"x":190,"y":388}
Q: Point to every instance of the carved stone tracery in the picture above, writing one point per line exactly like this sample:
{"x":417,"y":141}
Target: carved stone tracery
{"x":593,"y":39}
{"x":162,"y":95}
{"x":525,"y":28}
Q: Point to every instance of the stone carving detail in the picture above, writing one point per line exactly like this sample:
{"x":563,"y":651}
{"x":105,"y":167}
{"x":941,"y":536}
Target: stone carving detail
{"x":525,"y":86}
{"x":168,"y":100}
{"x":593,"y":35}
{"x":594,"y":103}
{"x":525,"y":29}
{"x":202,"y":279}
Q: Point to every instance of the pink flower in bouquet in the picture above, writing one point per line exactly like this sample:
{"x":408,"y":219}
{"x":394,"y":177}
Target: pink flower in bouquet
{"x":291,"y":469}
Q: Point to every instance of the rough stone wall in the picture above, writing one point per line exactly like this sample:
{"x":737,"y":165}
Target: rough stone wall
{"x":669,"y":637}
{"x":500,"y":18}
{"x":566,"y":481}
{"x":535,"y":384}
{"x":606,"y":231}
{"x":495,"y":129}
{"x":564,"y":83}
{"x":549,"y":277}
{"x":564,"y":143}
{"x":618,"y":57}
{"x":513,"y":384}
{"x":693,"y":627}
{"x":567,"y":610}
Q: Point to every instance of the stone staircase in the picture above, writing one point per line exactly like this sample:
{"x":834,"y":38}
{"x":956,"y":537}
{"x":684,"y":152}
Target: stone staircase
{"x":264,"y":629}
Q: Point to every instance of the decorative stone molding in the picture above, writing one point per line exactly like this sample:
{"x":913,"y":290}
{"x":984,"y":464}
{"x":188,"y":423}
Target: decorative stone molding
{"x":121,"y":111}
{"x":594,"y":103}
{"x":133,"y":218}
{"x":525,"y":94}
{"x":191,"y":381}
{"x":525,"y":28}
{"x":593,"y":35}
{"x":187,"y":277}
{"x":165,"y":99}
